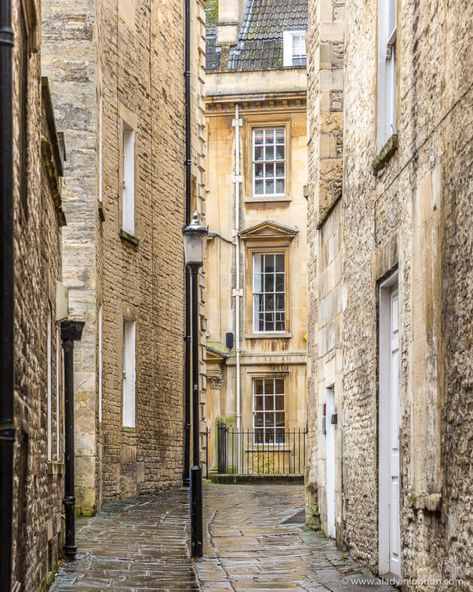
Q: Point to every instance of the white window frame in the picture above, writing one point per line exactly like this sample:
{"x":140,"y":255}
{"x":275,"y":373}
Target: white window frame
{"x":288,"y":49}
{"x":58,"y":391}
{"x":100,"y":149}
{"x":262,"y":292}
{"x":49,"y":378}
{"x":100,"y":360}
{"x":129,"y":374}
{"x":387,"y":71}
{"x":128,"y":178}
{"x":268,"y":162}
{"x":264,"y":429}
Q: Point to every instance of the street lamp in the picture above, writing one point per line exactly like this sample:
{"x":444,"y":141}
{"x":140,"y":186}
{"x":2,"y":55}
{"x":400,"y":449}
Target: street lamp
{"x":194,"y":245}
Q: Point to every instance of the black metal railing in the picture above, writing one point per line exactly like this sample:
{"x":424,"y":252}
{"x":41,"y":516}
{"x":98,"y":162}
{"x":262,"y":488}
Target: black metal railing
{"x":261,"y":451}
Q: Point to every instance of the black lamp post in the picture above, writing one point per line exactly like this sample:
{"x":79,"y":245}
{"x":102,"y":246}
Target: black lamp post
{"x":194,"y":244}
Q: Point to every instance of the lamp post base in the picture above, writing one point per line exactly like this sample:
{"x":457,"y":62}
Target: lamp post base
{"x":196,"y":511}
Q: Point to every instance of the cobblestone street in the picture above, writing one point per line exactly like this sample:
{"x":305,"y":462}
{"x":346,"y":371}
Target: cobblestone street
{"x":255,"y":542}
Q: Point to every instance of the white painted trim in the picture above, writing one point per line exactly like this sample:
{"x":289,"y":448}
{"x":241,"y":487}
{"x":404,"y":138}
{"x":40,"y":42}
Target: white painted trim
{"x":128,"y":189}
{"x":387,"y":71}
{"x":330,"y":461}
{"x":384,"y":423}
{"x":129,"y":374}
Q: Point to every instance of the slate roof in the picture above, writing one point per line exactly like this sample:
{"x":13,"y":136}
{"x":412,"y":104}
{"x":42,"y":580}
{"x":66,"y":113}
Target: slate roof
{"x":260,"y":40}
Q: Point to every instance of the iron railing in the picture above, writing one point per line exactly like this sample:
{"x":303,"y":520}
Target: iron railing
{"x":256,"y":452}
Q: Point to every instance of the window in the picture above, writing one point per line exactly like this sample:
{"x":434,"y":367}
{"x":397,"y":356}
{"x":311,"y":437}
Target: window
{"x":128,"y":188}
{"x":387,"y":70}
{"x":269,"y":165}
{"x":294,"y":50}
{"x":269,"y":292}
{"x":269,"y":410}
{"x":49,"y":362}
{"x":129,"y":374}
{"x":58,"y":392}
{"x":100,"y":360}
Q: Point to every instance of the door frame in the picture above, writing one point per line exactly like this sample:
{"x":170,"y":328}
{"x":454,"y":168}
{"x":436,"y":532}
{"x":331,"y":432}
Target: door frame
{"x":330,"y":463}
{"x":384,"y":392}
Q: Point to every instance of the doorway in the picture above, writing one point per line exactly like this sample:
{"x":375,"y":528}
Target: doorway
{"x":330,"y":460}
{"x":389,"y":412}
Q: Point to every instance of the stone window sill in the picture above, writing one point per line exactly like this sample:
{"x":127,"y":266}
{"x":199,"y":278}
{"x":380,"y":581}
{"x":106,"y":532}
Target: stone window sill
{"x":55,"y":468}
{"x":385,"y":154}
{"x":282,"y":335}
{"x":257,"y":201}
{"x":124,"y":235}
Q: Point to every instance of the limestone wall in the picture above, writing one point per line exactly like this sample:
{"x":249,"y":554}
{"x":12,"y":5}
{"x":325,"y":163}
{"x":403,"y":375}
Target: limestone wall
{"x":38,"y":469}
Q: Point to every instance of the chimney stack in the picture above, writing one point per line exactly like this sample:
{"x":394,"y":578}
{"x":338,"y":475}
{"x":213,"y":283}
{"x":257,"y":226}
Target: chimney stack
{"x":230,"y":16}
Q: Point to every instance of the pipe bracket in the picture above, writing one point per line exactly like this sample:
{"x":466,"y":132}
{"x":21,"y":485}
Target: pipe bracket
{"x":6,"y":36}
{"x":7,"y":434}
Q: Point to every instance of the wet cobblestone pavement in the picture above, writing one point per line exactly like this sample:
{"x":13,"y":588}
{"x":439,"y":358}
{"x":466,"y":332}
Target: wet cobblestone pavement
{"x":140,"y":545}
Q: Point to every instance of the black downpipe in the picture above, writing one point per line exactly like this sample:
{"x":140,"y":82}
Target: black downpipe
{"x":70,"y":331}
{"x":188,"y":165}
{"x":7,"y":426}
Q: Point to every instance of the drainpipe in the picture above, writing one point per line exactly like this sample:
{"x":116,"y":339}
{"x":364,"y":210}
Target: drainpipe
{"x":7,"y":427}
{"x":237,"y":292}
{"x":70,"y":331}
{"x":188,"y":166}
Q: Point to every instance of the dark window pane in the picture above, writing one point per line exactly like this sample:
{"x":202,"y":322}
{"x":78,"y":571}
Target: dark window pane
{"x":269,"y":419}
{"x":280,"y":186}
{"x":279,"y":326}
{"x":269,"y":189}
{"x":280,"y":169}
{"x":280,"y":302}
{"x":269,"y":136}
{"x":280,"y":135}
{"x":269,"y":169}
{"x":269,"y":282}
{"x":269,"y":403}
{"x":269,"y":153}
{"x":279,"y":436}
{"x":258,"y":403}
{"x":259,"y":420}
{"x":280,"y":420}
{"x":279,"y":385}
{"x":258,"y":153}
{"x":280,"y":402}
{"x":280,"y":154}
{"x":269,"y":437}
{"x":259,"y":171}
{"x":269,"y":263}
{"x":258,"y":386}
{"x":269,"y":386}
{"x":280,"y":282}
{"x":280,"y":262}
{"x":259,"y":436}
{"x":259,"y":187}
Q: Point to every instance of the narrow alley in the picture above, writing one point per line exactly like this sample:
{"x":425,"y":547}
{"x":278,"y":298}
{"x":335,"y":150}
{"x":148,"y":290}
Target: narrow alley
{"x":139,"y":545}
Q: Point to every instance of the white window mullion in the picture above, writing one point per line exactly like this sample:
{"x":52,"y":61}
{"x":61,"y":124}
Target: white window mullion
{"x":387,"y":70}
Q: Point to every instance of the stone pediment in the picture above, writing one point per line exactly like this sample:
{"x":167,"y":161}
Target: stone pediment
{"x":269,"y":229}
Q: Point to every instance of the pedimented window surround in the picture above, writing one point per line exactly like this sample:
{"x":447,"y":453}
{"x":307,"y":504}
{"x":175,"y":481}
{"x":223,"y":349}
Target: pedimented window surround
{"x":266,"y":238}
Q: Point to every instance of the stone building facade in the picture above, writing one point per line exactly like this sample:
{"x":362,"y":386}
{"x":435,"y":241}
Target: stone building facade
{"x":116,"y":78}
{"x":391,"y":120}
{"x":256,"y":351}
{"x":38,"y":221}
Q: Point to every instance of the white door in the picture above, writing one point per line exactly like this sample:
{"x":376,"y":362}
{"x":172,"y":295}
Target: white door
{"x":330,"y":462}
{"x":394,"y":502}
{"x":389,"y":468}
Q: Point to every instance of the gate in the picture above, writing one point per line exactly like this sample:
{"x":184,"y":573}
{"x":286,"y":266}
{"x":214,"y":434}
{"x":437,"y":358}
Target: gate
{"x":258,"y":452}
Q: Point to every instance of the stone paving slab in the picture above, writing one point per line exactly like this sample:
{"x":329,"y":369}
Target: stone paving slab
{"x":252,"y":544}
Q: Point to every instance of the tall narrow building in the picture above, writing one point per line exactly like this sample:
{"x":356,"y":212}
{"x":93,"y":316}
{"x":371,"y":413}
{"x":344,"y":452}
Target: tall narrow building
{"x":116,"y":72}
{"x":256,"y":267}
{"x":390,"y":105}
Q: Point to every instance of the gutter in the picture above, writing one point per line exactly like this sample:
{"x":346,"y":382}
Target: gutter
{"x":7,"y":426}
